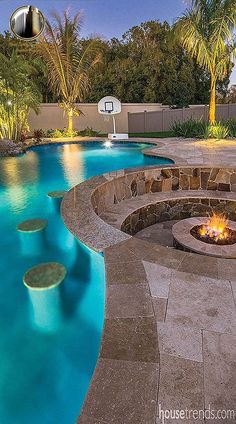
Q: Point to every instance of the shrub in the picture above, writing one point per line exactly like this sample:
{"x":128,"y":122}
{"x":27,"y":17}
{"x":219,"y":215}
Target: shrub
{"x":38,"y":135}
{"x":190,"y":128}
{"x":23,"y":136}
{"x":56,"y":134}
{"x":18,"y":94}
{"x":231,"y":124}
{"x":203,"y":129}
{"x":219,"y":131}
{"x":88,"y":132}
{"x":49,"y":133}
{"x":67,"y":133}
{"x":206,"y":132}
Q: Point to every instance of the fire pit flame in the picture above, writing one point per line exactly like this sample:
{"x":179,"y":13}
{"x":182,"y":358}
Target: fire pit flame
{"x":215,"y":228}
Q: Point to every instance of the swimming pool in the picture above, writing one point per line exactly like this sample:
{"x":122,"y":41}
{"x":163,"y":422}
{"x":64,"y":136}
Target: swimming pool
{"x":44,"y":376}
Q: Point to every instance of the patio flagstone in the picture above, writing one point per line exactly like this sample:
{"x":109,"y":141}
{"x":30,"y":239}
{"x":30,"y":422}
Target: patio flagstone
{"x":220,"y":372}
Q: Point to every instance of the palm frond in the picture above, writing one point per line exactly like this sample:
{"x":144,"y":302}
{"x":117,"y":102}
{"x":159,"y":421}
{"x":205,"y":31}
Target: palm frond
{"x":206,"y":32}
{"x":69,"y":58}
{"x":192,"y":37}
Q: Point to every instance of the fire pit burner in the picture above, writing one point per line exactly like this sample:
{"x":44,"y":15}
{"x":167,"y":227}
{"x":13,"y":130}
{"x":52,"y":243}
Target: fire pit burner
{"x":215,"y":231}
{"x":198,"y":233}
{"x":195,"y":235}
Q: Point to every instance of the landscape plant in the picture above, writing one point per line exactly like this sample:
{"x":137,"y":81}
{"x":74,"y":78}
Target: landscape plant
{"x":18,"y":94}
{"x":38,"y":135}
{"x":197,"y":128}
{"x":69,"y":62}
{"x":87,"y":132}
{"x":147,"y":64}
{"x":206,"y":31}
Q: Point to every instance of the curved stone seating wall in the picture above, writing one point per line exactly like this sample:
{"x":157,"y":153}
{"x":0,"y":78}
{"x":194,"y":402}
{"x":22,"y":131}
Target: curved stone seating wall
{"x":153,"y":180}
{"x":85,"y":208}
{"x":176,"y":210}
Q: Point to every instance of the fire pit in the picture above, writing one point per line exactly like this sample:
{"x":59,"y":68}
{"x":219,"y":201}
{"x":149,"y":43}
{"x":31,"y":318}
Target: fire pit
{"x":215,"y":236}
{"x":215,"y":231}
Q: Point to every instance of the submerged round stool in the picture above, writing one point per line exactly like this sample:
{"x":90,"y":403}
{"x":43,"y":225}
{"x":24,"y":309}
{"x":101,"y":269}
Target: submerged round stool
{"x":32,"y":235}
{"x":56,"y":198}
{"x":43,"y":282}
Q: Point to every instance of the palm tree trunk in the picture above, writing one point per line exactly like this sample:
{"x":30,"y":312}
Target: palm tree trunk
{"x":70,"y":122}
{"x":212,"y":105}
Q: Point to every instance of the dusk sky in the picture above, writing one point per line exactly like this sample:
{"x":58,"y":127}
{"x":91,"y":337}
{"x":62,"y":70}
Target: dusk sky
{"x":107,"y":18}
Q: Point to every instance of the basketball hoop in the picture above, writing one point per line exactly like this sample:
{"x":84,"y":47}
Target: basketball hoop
{"x":110,"y":106}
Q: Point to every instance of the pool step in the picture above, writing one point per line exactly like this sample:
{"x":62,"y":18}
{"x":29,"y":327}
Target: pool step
{"x":32,"y":235}
{"x":55,"y":198}
{"x":43,"y":282}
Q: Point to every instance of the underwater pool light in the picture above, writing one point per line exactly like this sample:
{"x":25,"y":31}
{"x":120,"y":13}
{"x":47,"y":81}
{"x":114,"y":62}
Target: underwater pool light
{"x":108,"y":143}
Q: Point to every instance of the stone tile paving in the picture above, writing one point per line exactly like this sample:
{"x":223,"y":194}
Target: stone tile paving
{"x":180,"y":341}
{"x":123,"y":392}
{"x":128,"y":300}
{"x":180,"y":386}
{"x":160,"y":289}
{"x":193,"y":151}
{"x":170,"y":326}
{"x":178,"y":344}
{"x":201,"y":302}
{"x":219,"y":371}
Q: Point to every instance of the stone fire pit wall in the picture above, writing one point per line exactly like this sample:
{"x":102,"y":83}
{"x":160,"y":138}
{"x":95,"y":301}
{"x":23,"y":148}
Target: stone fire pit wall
{"x":155,"y":180}
{"x":167,"y":179}
{"x":176,"y":209}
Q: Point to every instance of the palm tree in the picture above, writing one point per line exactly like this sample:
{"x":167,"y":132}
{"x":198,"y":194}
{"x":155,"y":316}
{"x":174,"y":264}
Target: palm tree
{"x":206,"y":31}
{"x":69,"y":61}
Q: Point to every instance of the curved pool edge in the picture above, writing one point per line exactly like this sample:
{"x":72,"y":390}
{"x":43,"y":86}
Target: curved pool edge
{"x":84,"y":140}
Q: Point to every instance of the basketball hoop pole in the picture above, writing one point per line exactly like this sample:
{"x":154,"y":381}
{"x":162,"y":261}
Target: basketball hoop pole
{"x":114,"y":124}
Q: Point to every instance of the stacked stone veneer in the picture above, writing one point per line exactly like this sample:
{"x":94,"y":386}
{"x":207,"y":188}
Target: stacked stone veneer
{"x":176,"y":209}
{"x":153,"y":180}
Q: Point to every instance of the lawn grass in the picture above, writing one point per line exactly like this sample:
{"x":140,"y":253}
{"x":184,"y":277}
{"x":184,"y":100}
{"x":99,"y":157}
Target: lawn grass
{"x":163,"y":134}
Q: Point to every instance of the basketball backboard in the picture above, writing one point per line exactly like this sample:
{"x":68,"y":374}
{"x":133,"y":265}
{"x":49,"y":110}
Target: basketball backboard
{"x":109,"y":105}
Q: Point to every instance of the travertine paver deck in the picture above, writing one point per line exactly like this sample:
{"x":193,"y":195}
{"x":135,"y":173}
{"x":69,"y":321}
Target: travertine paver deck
{"x":186,"y":307}
{"x":192,"y":151}
{"x":170,"y":322}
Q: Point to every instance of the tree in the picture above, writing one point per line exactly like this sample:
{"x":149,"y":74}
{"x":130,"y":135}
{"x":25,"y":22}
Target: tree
{"x":206,"y":32}
{"x":69,"y":62}
{"x":229,"y":97}
{"x":148,"y":65}
{"x":18,"y":94}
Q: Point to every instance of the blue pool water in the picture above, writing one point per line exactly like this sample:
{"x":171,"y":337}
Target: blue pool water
{"x":44,"y":375}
